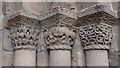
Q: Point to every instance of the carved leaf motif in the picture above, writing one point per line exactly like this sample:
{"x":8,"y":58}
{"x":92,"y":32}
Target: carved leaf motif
{"x":24,"y":36}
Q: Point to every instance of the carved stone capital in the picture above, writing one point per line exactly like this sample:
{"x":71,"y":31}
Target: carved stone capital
{"x":59,"y":37}
{"x":24,"y":37}
{"x":96,"y":36}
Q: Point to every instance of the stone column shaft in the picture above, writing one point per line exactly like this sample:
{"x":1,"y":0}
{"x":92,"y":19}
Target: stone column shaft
{"x":97,"y":58}
{"x":78,"y":54}
{"x":7,"y":49}
{"x":96,"y":40}
{"x":42,"y":56}
{"x":42,"y":52}
{"x":25,"y":58}
{"x":60,"y":58}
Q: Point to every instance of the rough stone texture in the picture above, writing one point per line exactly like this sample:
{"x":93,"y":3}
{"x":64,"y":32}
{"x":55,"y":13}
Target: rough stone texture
{"x":1,"y":60}
{"x":53,"y":13}
{"x":96,"y":36}
{"x":45,"y":6}
{"x":7,"y":41}
{"x":24,"y":37}
{"x":1,"y":16}
{"x":114,"y":43}
{"x":118,"y":41}
{"x":37,"y":7}
{"x":110,"y":7}
{"x":20,"y":21}
{"x":57,"y":18}
{"x":59,"y":37}
{"x":114,"y":58}
{"x":118,"y":24}
{"x":1,"y":47}
{"x":1,"y":22}
{"x":113,"y":51}
{"x":60,"y":58}
{"x":1,"y":5}
{"x":1,"y":27}
{"x":42,"y":53}
{"x":68,"y":5}
{"x":11,"y":7}
{"x":7,"y":58}
{"x":81,"y":6}
{"x":1,"y":39}
{"x":25,"y":58}
{"x":78,"y":56}
{"x":97,"y":58}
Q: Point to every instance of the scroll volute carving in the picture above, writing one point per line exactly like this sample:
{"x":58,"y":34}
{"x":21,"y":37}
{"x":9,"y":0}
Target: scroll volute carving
{"x":59,"y":37}
{"x":96,"y":36}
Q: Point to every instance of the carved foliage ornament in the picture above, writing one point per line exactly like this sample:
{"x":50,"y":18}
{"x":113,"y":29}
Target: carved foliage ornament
{"x":96,"y":36}
{"x":59,"y":37}
{"x":24,"y":37}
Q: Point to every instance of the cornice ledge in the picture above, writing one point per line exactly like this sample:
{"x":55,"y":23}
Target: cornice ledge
{"x":43,"y":14}
{"x":95,"y":9}
{"x":96,"y":14}
{"x":23,"y":13}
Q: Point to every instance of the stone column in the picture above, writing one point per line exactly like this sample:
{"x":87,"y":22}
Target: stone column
{"x":42,"y":56}
{"x":96,"y":40}
{"x":24,"y":39}
{"x":42,"y":53}
{"x":60,"y":40}
{"x":78,"y":55}
{"x":7,"y":49}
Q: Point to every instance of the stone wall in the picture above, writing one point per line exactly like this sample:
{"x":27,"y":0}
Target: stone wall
{"x":44,"y":16}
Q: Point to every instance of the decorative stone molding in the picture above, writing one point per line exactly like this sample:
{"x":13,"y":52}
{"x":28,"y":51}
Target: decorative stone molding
{"x":91,"y":10}
{"x":97,"y":18}
{"x":59,"y":37}
{"x":95,"y":9}
{"x":22,"y":20}
{"x":24,"y":37}
{"x":55,"y":19}
{"x":44,"y":14}
{"x":96,"y":36}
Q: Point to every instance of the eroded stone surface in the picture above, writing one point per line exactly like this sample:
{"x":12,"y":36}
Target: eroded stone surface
{"x":1,"y":59}
{"x":78,"y":54}
{"x":47,"y":14}
{"x":59,"y":37}
{"x":24,"y":37}
{"x":96,"y":36}
{"x":7,"y":41}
